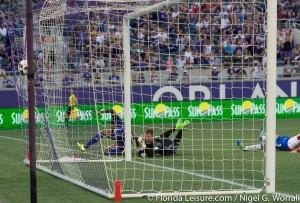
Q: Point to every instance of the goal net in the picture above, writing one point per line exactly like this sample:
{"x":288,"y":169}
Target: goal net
{"x":199,"y":61}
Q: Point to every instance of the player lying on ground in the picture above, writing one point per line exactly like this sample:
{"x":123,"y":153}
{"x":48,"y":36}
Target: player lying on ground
{"x":116,"y":132}
{"x":283,"y":143}
{"x":161,"y":145}
{"x":72,"y":102}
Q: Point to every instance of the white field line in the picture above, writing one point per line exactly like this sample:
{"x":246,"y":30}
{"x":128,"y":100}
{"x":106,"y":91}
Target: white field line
{"x":185,"y":172}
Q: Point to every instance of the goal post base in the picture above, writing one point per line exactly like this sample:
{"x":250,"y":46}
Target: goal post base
{"x":143,"y":195}
{"x":101,"y":192}
{"x":193,"y":193}
{"x":75,"y":160}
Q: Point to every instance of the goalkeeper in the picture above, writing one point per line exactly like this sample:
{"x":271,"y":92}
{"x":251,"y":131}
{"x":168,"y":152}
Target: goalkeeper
{"x":116,"y":131}
{"x":283,"y":143}
{"x":151,"y":146}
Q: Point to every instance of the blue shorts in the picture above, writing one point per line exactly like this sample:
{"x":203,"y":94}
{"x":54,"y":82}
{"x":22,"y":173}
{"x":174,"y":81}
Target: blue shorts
{"x":117,"y":151}
{"x":119,"y":135}
{"x":282,"y":143}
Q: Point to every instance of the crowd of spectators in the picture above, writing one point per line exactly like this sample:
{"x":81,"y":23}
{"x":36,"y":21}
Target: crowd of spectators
{"x":214,"y":34}
{"x":5,"y":47}
{"x":288,"y":10}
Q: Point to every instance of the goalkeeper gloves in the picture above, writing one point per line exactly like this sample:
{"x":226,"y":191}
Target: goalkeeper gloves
{"x":141,"y":142}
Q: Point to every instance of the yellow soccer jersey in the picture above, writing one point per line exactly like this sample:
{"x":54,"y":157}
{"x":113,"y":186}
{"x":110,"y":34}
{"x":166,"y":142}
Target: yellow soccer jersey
{"x":72,"y":100}
{"x":74,"y":114}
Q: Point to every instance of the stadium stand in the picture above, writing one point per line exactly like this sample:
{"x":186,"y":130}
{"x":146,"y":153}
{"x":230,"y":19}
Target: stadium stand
{"x":5,"y":48}
{"x":215,"y":45}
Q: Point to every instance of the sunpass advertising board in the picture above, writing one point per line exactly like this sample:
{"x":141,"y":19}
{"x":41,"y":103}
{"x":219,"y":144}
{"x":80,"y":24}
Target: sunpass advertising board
{"x":153,"y":112}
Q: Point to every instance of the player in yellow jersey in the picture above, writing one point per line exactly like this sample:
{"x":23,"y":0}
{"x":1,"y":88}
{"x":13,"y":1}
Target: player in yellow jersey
{"x":71,"y":103}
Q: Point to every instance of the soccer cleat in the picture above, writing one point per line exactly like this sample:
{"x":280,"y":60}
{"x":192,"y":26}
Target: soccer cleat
{"x":262,"y":136}
{"x":240,"y":144}
{"x":180,"y":125}
{"x":186,"y":123}
{"x":261,"y":132}
{"x":81,"y":147}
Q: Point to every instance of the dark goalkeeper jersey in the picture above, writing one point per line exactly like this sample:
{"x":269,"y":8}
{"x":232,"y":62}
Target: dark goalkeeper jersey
{"x":162,"y":146}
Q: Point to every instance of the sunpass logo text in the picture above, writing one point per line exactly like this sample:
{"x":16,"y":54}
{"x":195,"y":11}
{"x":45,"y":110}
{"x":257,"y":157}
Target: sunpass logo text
{"x":169,"y":112}
{"x":83,"y":115}
{"x":1,"y":119}
{"x":205,"y":109}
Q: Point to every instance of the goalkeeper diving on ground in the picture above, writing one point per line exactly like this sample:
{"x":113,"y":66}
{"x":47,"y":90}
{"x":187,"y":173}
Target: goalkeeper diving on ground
{"x":150,"y":146}
{"x":283,"y":143}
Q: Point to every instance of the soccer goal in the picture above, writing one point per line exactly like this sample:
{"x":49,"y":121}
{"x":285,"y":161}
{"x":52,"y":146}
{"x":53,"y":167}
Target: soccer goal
{"x":151,"y":63}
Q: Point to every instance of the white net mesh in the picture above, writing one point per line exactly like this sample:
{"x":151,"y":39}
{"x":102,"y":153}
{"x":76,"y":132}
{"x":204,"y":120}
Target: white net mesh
{"x":192,"y":60}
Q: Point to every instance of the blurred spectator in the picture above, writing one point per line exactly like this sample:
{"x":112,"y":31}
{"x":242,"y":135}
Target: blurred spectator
{"x":9,"y":67}
{"x":97,"y":78}
{"x":144,"y":65}
{"x":40,"y":56}
{"x":297,"y":69}
{"x":97,"y":65}
{"x":3,"y":51}
{"x":87,"y":75}
{"x":76,"y":60}
{"x":297,"y":58}
{"x":67,"y":79}
{"x":185,"y":77}
{"x":224,"y":21}
{"x":113,"y":78}
{"x":288,"y":69}
{"x":169,"y":64}
{"x":296,"y":51}
{"x":48,"y":78}
{"x":180,"y":62}
{"x":240,"y":73}
{"x":230,"y":72}
{"x":3,"y":31}
{"x":188,"y":54}
{"x":173,"y":75}
{"x":154,"y":77}
{"x":228,"y":49}
{"x":2,"y":72}
{"x":258,"y":50}
{"x":141,"y":78}
{"x":214,"y":75}
{"x":134,"y":80}
{"x":257,"y":71}
{"x":38,"y":81}
{"x":214,"y":60}
{"x":287,"y":47}
{"x":227,"y":61}
{"x":7,"y":83}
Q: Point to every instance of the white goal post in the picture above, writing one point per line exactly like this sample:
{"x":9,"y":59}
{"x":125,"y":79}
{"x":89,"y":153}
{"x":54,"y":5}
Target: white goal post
{"x":271,"y":95}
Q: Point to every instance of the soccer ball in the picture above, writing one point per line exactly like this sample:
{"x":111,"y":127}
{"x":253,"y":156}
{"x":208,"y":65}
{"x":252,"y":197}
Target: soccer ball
{"x":23,"y":67}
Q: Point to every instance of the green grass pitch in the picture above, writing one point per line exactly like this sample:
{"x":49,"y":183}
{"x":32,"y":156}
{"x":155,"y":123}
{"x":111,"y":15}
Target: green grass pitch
{"x":14,"y":175}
